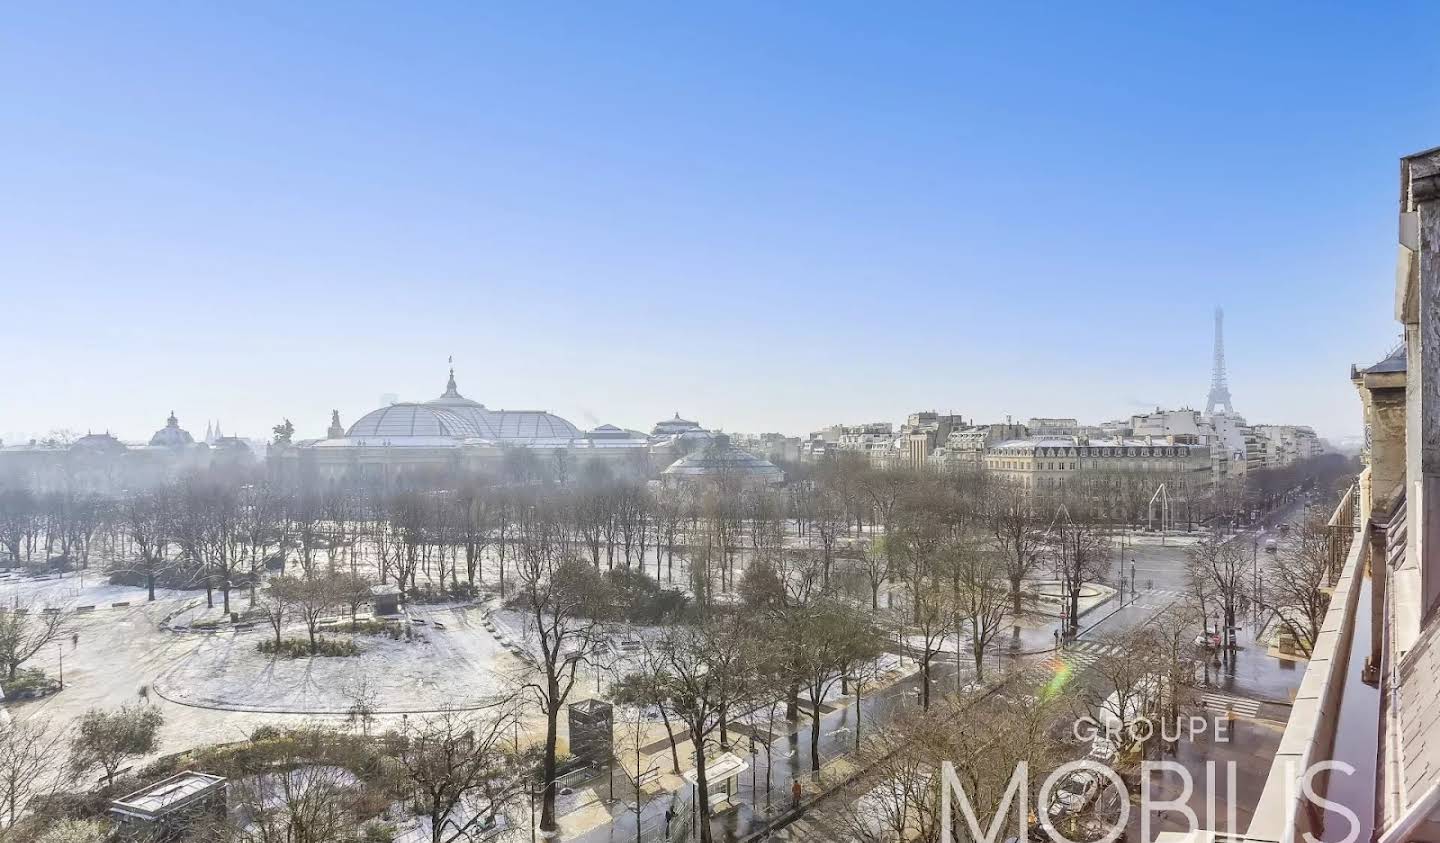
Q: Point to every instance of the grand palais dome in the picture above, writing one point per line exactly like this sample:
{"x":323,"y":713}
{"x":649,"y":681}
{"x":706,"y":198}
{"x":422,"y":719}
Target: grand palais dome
{"x":453,"y":416}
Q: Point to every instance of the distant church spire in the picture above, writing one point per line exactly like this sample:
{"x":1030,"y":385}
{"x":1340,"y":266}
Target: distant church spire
{"x":1219,"y":389}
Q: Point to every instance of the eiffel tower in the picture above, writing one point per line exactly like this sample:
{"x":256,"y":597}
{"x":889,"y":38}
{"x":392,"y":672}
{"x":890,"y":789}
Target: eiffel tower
{"x":1219,"y":390}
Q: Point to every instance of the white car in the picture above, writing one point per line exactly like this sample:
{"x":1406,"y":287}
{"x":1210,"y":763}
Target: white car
{"x":1103,"y":749}
{"x":1074,"y":793}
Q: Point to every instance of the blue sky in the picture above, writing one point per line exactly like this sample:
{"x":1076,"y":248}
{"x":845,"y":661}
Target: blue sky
{"x":764,"y":216}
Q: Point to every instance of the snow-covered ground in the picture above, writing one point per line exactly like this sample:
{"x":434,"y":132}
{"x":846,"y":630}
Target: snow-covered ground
{"x":71,"y":590}
{"x":459,"y":666}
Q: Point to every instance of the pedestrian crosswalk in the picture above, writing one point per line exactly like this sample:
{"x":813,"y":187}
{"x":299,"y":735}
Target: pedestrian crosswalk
{"x":1156,"y":595}
{"x":1092,"y":648}
{"x":1221,"y":703}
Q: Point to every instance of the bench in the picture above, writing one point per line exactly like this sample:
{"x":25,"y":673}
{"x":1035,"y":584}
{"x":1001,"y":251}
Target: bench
{"x":80,"y":610}
{"x":50,"y":611}
{"x":420,"y":621}
{"x":438,"y":625}
{"x":123,"y":604}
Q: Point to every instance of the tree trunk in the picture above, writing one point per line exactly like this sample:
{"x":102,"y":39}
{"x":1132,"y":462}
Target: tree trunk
{"x":547,"y":802}
{"x":815,"y":730}
{"x":670,"y":734}
{"x":702,"y":788}
{"x":925,"y":680}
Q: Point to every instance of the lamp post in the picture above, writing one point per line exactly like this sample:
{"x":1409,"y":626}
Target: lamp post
{"x":859,"y":695}
{"x":639,"y":773}
{"x":61,"y":650}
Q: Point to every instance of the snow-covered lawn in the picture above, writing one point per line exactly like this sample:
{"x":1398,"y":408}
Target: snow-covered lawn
{"x":71,"y":590}
{"x":461,"y":665}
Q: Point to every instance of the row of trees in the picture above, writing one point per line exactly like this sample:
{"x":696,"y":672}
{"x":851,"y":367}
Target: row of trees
{"x":1228,"y":578}
{"x":461,"y":771}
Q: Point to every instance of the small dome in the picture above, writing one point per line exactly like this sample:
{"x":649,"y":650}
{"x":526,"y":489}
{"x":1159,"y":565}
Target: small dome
{"x":671,"y":427}
{"x":98,"y":443}
{"x":721,"y":459}
{"x":172,"y":435}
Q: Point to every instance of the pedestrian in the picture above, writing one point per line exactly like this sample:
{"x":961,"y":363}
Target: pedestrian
{"x":669,"y":815}
{"x":74,"y":640}
{"x":1057,"y":638}
{"x":796,"y":791}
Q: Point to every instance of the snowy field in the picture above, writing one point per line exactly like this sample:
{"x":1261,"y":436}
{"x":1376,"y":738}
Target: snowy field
{"x":461,"y":666}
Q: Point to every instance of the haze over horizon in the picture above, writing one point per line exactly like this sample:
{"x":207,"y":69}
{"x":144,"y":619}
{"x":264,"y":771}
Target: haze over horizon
{"x":763,"y":219}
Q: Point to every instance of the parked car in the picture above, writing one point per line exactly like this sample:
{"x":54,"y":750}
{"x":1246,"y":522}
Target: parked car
{"x":1074,"y":793}
{"x":1103,"y":749}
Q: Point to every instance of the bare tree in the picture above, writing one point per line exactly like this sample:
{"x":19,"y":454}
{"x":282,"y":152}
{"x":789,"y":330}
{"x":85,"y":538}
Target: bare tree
{"x":1017,"y":535}
{"x":30,"y":751}
{"x":107,"y":739}
{"x":302,"y":793}
{"x":709,"y":670}
{"x":982,"y":597}
{"x":1080,"y":548}
{"x":564,"y":602}
{"x":934,"y":613}
{"x":1220,"y":569}
{"x":1126,"y":685}
{"x":827,"y":639}
{"x":24,"y":631}
{"x":364,"y":701}
{"x":19,"y":518}
{"x":308,"y":599}
{"x":464,"y":770}
{"x":145,"y":518}
{"x":1171,"y":637}
{"x":478,"y":527}
{"x":1295,"y":581}
{"x":278,"y":603}
{"x":876,"y":566}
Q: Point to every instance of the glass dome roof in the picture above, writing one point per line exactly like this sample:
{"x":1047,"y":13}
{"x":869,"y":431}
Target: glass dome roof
{"x":454,"y":415}
{"x":399,"y":420}
{"x":721,"y":458}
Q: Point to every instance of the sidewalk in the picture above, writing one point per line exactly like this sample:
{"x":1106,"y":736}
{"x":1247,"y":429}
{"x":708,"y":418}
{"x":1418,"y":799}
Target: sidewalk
{"x":1250,"y":747}
{"x":1253,"y":672}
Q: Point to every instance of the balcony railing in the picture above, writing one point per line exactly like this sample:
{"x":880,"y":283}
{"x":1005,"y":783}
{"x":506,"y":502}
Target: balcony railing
{"x":1340,"y":530}
{"x":1284,"y":813}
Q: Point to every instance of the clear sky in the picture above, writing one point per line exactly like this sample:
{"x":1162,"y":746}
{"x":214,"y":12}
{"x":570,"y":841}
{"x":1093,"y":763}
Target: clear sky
{"x":769,"y":216}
